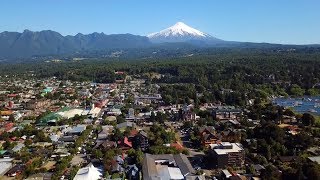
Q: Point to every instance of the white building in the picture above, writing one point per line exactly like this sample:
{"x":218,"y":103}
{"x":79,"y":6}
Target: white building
{"x":88,"y":173}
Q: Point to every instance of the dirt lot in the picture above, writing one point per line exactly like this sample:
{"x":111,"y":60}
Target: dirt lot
{"x":49,"y":165}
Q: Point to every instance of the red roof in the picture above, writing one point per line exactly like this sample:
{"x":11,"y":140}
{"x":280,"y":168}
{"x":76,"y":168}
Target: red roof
{"x":29,"y":162}
{"x":293,"y":128}
{"x":177,"y":146}
{"x":133,"y":133}
{"x":8,"y":126}
{"x":12,"y":95}
{"x":113,"y":86}
{"x":6,"y":113}
{"x":127,"y":142}
{"x":119,"y":72}
{"x":98,"y":104}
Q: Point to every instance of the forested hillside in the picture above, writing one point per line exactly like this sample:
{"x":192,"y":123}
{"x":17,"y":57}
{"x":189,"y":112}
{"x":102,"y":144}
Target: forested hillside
{"x":229,"y":76}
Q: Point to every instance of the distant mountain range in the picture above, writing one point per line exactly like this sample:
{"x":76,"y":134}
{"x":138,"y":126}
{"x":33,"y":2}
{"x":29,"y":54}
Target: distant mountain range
{"x":28,"y":43}
{"x":50,"y":43}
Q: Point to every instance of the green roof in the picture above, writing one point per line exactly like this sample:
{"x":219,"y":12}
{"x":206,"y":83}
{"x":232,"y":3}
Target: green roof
{"x":2,"y":152}
{"x":44,"y":120}
{"x":47,"y":89}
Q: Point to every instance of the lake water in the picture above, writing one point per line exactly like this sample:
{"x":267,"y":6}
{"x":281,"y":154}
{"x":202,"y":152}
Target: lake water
{"x":301,"y":105}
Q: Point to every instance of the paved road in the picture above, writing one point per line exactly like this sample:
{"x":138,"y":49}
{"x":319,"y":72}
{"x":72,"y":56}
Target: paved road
{"x":196,"y":157}
{"x":186,"y":143}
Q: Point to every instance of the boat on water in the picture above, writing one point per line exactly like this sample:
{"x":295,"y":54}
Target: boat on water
{"x":297,"y":103}
{"x":312,"y":111}
{"x":306,"y":99}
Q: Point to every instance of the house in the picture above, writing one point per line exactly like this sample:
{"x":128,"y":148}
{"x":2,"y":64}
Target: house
{"x":117,"y":164}
{"x":125,"y":144}
{"x":54,"y":137}
{"x":8,"y":154}
{"x":178,"y":146}
{"x":105,"y":145}
{"x":77,"y":130}
{"x":226,"y":112}
{"x":89,"y":173}
{"x":5,"y":165}
{"x":234,"y":123}
{"x":141,"y":141}
{"x":208,"y":135}
{"x":227,"y":154}
{"x":132,"y":172}
{"x":18,"y":147}
{"x":2,"y":151}
{"x":225,"y":174}
{"x":104,"y":133}
{"x":130,"y":114}
{"x":34,"y":104}
{"x":229,"y":136}
{"x":258,"y":168}
{"x":315,"y":159}
{"x":293,"y":129}
{"x":6,"y":113}
{"x":166,"y":166}
{"x":147,"y":99}
{"x":114,"y":112}
{"x":288,"y":120}
{"x":61,"y":150}
{"x":94,"y":112}
{"x":133,"y":134}
{"x":124,"y":125}
{"x":67,"y":139}
{"x":8,"y":126}
{"x":288,"y":159}
{"x":39,"y":176}
{"x":315,"y":151}
{"x":40,"y":151}
{"x":16,"y":170}
{"x":189,"y":116}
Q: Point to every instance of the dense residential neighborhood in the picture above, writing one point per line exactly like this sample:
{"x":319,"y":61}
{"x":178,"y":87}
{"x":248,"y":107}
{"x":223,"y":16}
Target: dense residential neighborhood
{"x":53,"y":129}
{"x":159,"y":90}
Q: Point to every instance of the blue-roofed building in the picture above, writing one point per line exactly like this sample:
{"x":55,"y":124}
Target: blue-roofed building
{"x":77,"y":130}
{"x":47,"y":90}
{"x":18,"y":147}
{"x":124,"y":125}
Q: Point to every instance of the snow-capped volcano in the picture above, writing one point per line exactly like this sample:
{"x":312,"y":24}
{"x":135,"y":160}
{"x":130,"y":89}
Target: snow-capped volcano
{"x":179,"y":32}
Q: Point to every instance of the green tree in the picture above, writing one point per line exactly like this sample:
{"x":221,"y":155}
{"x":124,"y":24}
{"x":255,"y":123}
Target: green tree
{"x":268,"y":153}
{"x":120,"y":119}
{"x":296,"y":90}
{"x":152,"y":117}
{"x":97,"y":153}
{"x":28,"y":142}
{"x":313,"y":92}
{"x":117,"y":134}
{"x":115,"y":176}
{"x":11,"y":118}
{"x":270,"y":173}
{"x":74,"y":171}
{"x":308,"y":119}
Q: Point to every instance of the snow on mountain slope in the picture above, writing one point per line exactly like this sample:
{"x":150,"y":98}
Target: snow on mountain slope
{"x":179,"y":32}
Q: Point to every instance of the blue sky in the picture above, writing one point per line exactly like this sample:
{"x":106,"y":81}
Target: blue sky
{"x":274,"y":21}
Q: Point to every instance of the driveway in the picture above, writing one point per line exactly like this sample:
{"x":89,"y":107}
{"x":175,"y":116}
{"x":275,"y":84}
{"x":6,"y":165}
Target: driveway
{"x":196,"y":157}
